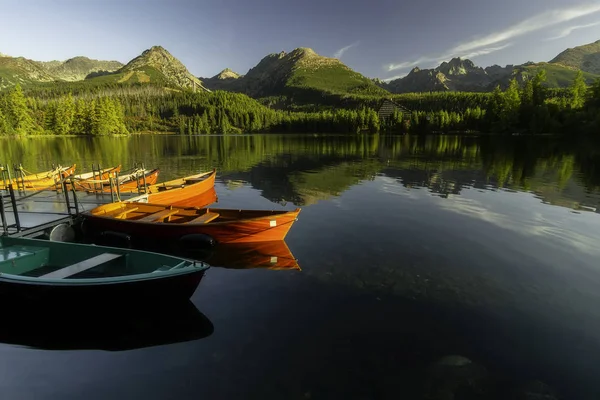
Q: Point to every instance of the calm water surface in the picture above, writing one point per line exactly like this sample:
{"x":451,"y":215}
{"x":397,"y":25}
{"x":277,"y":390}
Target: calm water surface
{"x":431,"y":268}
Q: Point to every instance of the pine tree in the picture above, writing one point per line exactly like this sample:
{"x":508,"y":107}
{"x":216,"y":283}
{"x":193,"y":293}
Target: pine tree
{"x":19,"y":115}
{"x":80,"y":119}
{"x":578,"y":91}
{"x":64,"y":114}
{"x":593,"y":100}
{"x":512,"y":103}
{"x":3,"y":124}
{"x":539,"y":91}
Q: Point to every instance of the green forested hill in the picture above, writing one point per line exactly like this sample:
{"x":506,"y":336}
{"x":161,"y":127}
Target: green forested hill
{"x":585,"y":58}
{"x":19,"y":70}
{"x":297,"y":73}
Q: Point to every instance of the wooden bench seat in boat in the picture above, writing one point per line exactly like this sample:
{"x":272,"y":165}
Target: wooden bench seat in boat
{"x":157,"y":216}
{"x":195,"y":180}
{"x":204,"y":218}
{"x":170,"y":267}
{"x":82,"y":266}
{"x":120,"y":213}
{"x":165,"y":187}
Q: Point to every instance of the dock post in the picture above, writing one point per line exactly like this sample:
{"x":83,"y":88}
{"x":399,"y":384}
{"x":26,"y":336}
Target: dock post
{"x":4,"y":183}
{"x":97,"y":185}
{"x":66,"y":193}
{"x":144,"y":177}
{"x":19,"y":174}
{"x":3,"y":216}
{"x":75,"y":202}
{"x":13,"y":201}
{"x":112,"y":191}
{"x":118,"y":187}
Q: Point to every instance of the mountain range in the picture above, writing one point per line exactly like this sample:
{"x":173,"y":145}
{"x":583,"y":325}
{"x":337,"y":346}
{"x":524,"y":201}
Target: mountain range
{"x":301,"y":71}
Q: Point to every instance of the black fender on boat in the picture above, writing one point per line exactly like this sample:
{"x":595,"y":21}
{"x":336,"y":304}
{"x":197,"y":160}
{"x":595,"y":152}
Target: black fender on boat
{"x":114,"y":239}
{"x":198,"y":246}
{"x":197,"y":241}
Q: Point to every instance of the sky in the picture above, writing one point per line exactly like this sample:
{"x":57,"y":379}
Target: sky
{"x":378,"y":38}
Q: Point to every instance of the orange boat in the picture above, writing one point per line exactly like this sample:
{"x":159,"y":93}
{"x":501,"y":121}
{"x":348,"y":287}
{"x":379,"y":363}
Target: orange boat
{"x":44,"y":180}
{"x":274,"y":255}
{"x":92,"y":180}
{"x":141,"y":222}
{"x":191,"y":191}
{"x":131,"y":182}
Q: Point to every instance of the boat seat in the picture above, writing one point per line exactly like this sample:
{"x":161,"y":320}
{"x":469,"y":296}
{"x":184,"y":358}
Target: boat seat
{"x":204,"y":218}
{"x":118,"y":213}
{"x":195,"y":180}
{"x":165,"y":187}
{"x":157,"y":216}
{"x":82,"y":266}
{"x":124,"y":213}
{"x":165,"y":268}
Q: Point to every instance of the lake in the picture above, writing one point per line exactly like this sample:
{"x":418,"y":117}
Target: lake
{"x":442,"y":267}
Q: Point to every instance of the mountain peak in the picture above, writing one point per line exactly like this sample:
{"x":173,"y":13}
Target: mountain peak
{"x":306,"y":51}
{"x":458,"y":66}
{"x":155,"y":49}
{"x":586,"y":58}
{"x":227,"y":74}
{"x":160,"y":59}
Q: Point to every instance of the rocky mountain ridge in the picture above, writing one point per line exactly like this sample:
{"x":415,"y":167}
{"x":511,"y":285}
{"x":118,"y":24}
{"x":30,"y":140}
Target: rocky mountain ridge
{"x":170,"y":67}
{"x":300,"y":72}
{"x":79,"y":68}
{"x":463,"y":75}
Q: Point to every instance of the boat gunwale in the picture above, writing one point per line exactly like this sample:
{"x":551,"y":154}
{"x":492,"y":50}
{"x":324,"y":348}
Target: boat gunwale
{"x":241,"y":220}
{"x":196,"y":266}
{"x":193,"y":266}
{"x":183,"y":179}
{"x":84,"y":176}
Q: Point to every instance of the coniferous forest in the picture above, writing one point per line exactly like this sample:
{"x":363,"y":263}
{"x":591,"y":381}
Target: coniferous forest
{"x":77,"y":109}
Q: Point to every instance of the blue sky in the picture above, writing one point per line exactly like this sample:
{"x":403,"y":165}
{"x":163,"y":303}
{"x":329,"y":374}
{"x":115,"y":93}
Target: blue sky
{"x":379,"y":38}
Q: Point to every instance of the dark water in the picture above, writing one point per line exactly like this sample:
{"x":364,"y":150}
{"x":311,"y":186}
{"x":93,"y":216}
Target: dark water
{"x":431,"y":268}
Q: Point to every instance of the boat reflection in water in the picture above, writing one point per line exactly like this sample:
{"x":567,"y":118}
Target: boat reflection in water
{"x":274,"y":255}
{"x":104,"y":329}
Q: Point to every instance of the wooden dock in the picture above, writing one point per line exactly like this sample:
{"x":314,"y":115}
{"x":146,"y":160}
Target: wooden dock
{"x":37,"y":213}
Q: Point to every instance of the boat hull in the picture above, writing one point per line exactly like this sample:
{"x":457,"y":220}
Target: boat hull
{"x":194,"y":195}
{"x":266,"y":227}
{"x":44,"y":180}
{"x":83,"y":183}
{"x":131,"y":185}
{"x":161,"y":290}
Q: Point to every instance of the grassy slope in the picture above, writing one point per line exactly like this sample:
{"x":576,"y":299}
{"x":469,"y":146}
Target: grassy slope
{"x":558,"y":75}
{"x":585,"y":57}
{"x":23,"y":71}
{"x":333,"y":79}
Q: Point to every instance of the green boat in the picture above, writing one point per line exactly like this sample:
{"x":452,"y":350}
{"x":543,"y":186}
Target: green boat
{"x":46,"y":272}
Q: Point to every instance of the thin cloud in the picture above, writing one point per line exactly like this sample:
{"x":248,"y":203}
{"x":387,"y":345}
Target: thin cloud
{"x":391,"y":78}
{"x":529,"y":25}
{"x":482,"y":52}
{"x":492,"y":42}
{"x":410,"y":64}
{"x":435,"y":61}
{"x":340,"y":52}
{"x":567,"y":31}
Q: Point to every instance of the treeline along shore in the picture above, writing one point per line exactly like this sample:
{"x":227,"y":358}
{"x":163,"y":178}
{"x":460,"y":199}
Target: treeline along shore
{"x":77,"y":108}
